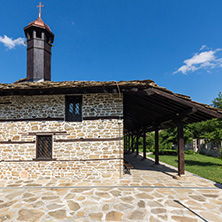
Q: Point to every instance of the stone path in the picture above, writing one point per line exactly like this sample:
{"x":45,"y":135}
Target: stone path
{"x":149,"y":194}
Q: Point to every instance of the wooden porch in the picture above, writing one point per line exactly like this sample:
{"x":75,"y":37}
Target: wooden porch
{"x":156,"y":108}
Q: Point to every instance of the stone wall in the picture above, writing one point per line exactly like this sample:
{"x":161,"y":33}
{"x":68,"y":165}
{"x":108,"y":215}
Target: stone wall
{"x":87,"y":149}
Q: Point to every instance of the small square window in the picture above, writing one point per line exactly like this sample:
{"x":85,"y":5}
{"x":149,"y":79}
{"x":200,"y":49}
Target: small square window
{"x":44,"y":147}
{"x":73,"y":108}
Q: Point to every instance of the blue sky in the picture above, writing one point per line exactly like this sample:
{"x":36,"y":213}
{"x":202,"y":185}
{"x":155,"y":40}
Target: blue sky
{"x":176,"y":43}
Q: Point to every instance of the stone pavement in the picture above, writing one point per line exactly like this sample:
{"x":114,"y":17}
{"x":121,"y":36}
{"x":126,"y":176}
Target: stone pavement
{"x":149,"y":194}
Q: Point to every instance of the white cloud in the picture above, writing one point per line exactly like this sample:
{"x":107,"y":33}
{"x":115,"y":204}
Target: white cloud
{"x":203,"y":47}
{"x":203,"y":60}
{"x":10,"y":43}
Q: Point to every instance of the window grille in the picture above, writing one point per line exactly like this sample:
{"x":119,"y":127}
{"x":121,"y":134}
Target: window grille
{"x":74,"y":108}
{"x":44,"y":147}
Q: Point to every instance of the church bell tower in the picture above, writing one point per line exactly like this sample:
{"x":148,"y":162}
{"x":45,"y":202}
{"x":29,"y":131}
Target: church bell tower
{"x":39,"y":43}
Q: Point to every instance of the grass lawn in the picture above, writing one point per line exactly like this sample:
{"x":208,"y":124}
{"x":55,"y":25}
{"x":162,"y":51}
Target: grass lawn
{"x":204,"y":166}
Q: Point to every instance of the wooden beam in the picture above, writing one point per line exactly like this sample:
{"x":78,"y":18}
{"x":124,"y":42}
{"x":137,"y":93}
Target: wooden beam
{"x":189,"y":103}
{"x":101,"y":117}
{"x":180,"y":148}
{"x":156,"y":145}
{"x":88,"y":139}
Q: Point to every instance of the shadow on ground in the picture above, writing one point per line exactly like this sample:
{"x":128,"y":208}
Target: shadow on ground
{"x":146,"y":164}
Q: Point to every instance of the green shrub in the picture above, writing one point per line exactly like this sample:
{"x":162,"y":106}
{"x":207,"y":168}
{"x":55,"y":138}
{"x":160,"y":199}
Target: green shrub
{"x":168,"y":152}
{"x":189,"y":152}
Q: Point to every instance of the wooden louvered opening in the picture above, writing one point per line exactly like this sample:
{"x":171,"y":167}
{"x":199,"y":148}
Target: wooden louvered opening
{"x":44,"y":147}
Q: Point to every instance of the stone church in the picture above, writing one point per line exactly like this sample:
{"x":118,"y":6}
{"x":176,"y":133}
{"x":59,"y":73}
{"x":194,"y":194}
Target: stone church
{"x":75,"y":129}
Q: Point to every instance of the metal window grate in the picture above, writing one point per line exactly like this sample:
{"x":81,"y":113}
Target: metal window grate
{"x":74,"y":108}
{"x":44,"y":147}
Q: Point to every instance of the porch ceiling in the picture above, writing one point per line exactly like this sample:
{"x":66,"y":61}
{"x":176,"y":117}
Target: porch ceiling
{"x":153,"y":107}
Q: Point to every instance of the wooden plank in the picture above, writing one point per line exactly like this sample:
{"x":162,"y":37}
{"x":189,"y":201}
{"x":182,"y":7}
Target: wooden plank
{"x":101,"y":117}
{"x":180,"y":148}
{"x":44,"y":132}
{"x":87,"y":139}
{"x":16,"y":142}
{"x":56,"y":160}
{"x":31,"y":119}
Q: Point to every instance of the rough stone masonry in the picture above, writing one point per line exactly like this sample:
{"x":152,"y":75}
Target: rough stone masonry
{"x":88,"y":149}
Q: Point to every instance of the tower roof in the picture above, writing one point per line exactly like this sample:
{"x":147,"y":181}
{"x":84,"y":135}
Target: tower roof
{"x":38,"y":23}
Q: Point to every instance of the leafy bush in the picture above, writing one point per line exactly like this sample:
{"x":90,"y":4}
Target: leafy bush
{"x":189,"y":152}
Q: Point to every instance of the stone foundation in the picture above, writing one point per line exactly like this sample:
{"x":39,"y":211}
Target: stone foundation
{"x":75,"y":170}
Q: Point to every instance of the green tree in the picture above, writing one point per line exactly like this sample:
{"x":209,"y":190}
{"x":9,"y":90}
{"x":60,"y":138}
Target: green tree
{"x":217,"y":102}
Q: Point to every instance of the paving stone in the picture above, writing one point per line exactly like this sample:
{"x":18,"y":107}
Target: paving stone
{"x":114,"y":216}
{"x":172,"y":203}
{"x":136,"y":215}
{"x":80,"y":198}
{"x":30,"y":215}
{"x":7,"y":204}
{"x":26,"y":195}
{"x":178,"y":212}
{"x":54,"y":206}
{"x":36,"y":204}
{"x":163,"y":217}
{"x":154,"y":219}
{"x":143,"y":196}
{"x":127,"y":199}
{"x":184,"y":219}
{"x":209,"y":206}
{"x":19,"y":205}
{"x":141,"y":204}
{"x":6,"y":216}
{"x":210,"y":216}
{"x":198,"y":198}
{"x":89,"y":202}
{"x":50,"y":197}
{"x":96,"y":216}
{"x":103,"y":194}
{"x":14,"y":195}
{"x":115,"y":193}
{"x":158,"y":210}
{"x":59,"y":214}
{"x":80,"y":214}
{"x":211,"y":195}
{"x":154,"y":204}
{"x":80,"y":190}
{"x":70,"y":196}
{"x":31,"y":199}
{"x":122,"y":206}
{"x":73,"y":205}
{"x":105,"y":207}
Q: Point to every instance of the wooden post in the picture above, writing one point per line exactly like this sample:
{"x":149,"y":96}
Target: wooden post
{"x":180,"y":148}
{"x":137,"y":144}
{"x":132,"y":145}
{"x":144,"y":144}
{"x":124,"y":139}
{"x":156,"y":145}
{"x":128,"y":143}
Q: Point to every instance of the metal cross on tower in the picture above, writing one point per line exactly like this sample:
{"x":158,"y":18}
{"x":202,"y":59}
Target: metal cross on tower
{"x":40,"y":8}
